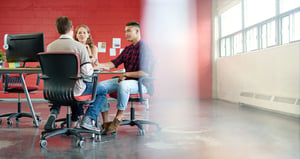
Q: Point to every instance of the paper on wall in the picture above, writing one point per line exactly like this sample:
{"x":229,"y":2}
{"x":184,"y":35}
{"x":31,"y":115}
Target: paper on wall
{"x":112,"y":52}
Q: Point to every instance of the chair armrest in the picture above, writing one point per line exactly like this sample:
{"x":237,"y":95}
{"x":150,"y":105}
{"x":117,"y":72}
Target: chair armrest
{"x":95,"y":83}
{"x":75,"y":77}
{"x":44,"y":77}
{"x":38,"y":79}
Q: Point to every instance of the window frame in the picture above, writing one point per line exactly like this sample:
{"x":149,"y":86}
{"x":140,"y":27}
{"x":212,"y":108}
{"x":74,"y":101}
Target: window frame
{"x":278,"y":19}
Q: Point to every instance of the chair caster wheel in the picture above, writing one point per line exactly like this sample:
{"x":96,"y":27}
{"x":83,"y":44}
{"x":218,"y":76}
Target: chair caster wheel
{"x":43,"y":143}
{"x":80,"y":143}
{"x":98,"y":138}
{"x":9,"y":122}
{"x":141,"y":132}
{"x":0,"y":121}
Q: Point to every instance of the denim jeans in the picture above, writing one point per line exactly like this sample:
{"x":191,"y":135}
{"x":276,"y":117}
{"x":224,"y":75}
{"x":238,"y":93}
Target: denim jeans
{"x":94,"y":108}
{"x":123,"y":88}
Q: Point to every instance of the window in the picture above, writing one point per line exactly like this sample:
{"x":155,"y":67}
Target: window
{"x":258,"y":10}
{"x":225,"y":47}
{"x":285,"y":27}
{"x":295,"y":25}
{"x":268,"y":34}
{"x":252,"y":39}
{"x":238,"y":43}
{"x":231,"y":20}
{"x":254,"y":24}
{"x":286,"y":5}
{"x":290,"y":28}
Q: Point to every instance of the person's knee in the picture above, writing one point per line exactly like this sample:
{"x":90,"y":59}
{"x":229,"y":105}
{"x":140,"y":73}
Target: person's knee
{"x":101,"y":89}
{"x":123,"y":86}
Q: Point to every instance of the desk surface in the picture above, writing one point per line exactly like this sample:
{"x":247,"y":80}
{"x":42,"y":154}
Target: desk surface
{"x":38,"y":70}
{"x":21,"y":70}
{"x":110,"y":72}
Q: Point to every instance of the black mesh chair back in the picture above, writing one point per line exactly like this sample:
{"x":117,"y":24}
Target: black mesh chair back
{"x":60,"y":73}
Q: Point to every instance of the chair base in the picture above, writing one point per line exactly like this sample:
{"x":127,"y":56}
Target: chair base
{"x":17,"y":116}
{"x":69,"y":132}
{"x":139,"y":124}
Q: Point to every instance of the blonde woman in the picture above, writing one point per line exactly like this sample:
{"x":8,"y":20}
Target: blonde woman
{"x":83,"y":35}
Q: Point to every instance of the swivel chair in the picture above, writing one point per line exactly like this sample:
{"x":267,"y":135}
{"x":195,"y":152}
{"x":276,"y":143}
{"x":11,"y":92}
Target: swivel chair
{"x":60,"y":72}
{"x":12,"y":83}
{"x":143,"y":98}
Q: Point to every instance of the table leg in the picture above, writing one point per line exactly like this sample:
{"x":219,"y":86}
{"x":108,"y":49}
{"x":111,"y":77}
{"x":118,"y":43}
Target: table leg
{"x":29,"y":100}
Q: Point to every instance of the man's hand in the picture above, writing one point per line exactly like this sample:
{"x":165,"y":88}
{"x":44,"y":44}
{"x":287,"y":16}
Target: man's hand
{"x":123,"y":77}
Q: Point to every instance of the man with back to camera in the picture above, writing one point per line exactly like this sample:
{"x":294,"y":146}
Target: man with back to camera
{"x":138,"y":62}
{"x":83,"y":86}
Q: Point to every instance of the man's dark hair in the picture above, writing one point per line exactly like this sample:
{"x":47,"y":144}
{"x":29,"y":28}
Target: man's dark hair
{"x":63,"y":24}
{"x":133,"y":23}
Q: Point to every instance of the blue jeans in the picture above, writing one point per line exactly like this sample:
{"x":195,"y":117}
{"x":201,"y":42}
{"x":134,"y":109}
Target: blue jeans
{"x":94,"y":108}
{"x":123,"y":88}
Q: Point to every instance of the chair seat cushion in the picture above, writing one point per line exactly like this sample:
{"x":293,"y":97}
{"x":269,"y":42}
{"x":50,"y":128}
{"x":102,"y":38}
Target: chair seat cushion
{"x":83,"y":97}
{"x":19,"y":88}
{"x":115,"y":95}
{"x":14,"y":75}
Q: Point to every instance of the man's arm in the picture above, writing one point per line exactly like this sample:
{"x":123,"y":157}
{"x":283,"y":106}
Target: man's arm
{"x":107,"y":65}
{"x":135,"y":74}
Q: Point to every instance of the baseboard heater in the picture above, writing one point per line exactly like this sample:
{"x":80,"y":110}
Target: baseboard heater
{"x":286,"y":105}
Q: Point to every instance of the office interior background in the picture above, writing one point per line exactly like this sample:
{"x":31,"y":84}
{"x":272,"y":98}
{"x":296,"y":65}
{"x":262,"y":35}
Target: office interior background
{"x":240,"y":51}
{"x":234,"y":50}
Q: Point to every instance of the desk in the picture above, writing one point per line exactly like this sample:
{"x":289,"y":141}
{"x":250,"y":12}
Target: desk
{"x":33,"y":70}
{"x":108,"y":72}
{"x":21,"y":71}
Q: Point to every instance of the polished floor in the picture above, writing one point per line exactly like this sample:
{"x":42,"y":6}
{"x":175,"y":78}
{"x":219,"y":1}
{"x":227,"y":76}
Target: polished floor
{"x":204,"y":129}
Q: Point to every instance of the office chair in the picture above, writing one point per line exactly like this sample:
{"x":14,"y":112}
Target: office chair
{"x":60,"y":72}
{"x":12,"y":83}
{"x":143,"y":98}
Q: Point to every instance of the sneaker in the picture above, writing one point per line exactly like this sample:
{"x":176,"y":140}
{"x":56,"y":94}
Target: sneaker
{"x":113,"y":127}
{"x":86,"y":123}
{"x":50,"y":123}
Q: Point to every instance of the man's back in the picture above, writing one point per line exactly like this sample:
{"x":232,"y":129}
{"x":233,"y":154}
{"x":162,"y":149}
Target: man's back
{"x":67,"y":44}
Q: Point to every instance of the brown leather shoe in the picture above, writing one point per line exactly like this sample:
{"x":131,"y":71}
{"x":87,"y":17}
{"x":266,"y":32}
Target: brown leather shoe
{"x":105,"y":125}
{"x":113,"y":127}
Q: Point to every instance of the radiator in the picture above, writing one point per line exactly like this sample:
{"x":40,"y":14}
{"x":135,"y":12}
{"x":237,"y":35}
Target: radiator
{"x":286,"y":105}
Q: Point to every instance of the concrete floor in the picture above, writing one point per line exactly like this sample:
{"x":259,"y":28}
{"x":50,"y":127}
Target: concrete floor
{"x":205,"y":129}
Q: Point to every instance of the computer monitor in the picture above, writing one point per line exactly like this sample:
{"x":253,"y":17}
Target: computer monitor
{"x":23,"y":47}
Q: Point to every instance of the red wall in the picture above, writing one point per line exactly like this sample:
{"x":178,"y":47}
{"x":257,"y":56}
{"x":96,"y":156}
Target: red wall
{"x":106,"y":20}
{"x":204,"y":40}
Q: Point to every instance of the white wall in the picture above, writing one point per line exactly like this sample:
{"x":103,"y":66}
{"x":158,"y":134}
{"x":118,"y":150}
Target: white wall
{"x":268,"y":78}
